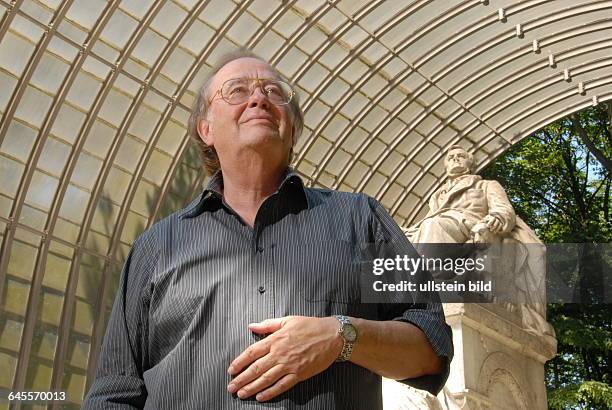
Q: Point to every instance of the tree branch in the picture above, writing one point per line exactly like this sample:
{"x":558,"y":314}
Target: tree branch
{"x":566,"y":155}
{"x":553,"y":205}
{"x":586,"y":176}
{"x":594,"y":194}
{"x":601,"y":157}
{"x":606,"y":201}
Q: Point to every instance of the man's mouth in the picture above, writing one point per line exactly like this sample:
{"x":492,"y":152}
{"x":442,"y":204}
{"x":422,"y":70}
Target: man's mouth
{"x":267,"y":120}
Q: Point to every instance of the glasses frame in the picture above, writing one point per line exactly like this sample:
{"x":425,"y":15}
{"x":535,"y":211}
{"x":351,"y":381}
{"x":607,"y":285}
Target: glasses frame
{"x":258,"y":81}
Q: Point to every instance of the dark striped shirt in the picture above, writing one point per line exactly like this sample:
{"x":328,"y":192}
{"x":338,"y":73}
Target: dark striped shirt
{"x":195,"y":280}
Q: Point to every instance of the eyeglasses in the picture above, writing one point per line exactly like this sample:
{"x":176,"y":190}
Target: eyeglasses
{"x":238,"y":90}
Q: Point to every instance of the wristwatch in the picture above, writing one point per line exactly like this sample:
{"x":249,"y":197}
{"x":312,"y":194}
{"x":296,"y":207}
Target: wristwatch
{"x":348,"y":332}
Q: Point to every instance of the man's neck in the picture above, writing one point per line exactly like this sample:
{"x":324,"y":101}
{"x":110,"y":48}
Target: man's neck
{"x":245,"y":188}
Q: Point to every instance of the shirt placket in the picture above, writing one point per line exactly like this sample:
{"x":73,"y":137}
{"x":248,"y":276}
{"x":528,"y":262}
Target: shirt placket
{"x":262,"y":247}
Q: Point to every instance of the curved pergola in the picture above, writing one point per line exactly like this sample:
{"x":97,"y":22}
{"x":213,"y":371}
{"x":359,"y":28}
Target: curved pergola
{"x":96,"y":94}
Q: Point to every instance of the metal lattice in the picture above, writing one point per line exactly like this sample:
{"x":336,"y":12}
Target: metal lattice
{"x":96,"y":94}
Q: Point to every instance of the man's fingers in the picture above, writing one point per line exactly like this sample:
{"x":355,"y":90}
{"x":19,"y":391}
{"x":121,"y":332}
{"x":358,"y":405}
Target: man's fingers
{"x":265,"y":380}
{"x":282,"y":385}
{"x":256,"y":369}
{"x":252,"y":353}
{"x":268,"y":325}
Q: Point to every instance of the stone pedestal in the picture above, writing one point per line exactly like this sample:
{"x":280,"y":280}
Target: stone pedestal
{"x":497,"y":365}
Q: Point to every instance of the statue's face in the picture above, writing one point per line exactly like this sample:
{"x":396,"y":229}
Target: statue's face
{"x":457,"y":161}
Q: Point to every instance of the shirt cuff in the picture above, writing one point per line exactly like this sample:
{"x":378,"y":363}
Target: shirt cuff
{"x":440,"y":337}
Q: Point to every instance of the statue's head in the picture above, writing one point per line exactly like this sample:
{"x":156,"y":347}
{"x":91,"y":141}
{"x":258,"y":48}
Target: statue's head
{"x":458,"y":161}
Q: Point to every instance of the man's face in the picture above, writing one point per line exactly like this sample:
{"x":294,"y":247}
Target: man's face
{"x":256,"y":125}
{"x":457,"y":161}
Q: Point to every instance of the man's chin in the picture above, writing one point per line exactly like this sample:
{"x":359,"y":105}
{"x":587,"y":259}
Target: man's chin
{"x":261,"y":130}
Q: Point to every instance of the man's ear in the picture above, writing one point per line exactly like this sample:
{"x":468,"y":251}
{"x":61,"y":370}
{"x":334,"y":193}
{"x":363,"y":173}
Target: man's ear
{"x":204,"y":132}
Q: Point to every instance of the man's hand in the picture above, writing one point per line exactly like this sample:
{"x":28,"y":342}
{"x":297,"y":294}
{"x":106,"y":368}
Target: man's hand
{"x":298,"y":348}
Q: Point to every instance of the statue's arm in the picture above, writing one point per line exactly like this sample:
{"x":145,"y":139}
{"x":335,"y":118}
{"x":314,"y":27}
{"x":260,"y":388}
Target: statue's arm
{"x":500,"y":206}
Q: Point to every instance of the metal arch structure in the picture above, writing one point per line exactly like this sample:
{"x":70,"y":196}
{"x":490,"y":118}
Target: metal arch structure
{"x":96,"y":94}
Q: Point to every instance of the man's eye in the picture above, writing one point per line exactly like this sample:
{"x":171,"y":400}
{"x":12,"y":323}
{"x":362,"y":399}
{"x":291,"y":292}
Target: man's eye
{"x":273,"y":90}
{"x":237,"y":90}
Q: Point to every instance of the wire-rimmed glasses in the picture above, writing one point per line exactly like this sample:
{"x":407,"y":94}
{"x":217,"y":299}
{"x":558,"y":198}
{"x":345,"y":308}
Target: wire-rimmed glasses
{"x":238,"y":90}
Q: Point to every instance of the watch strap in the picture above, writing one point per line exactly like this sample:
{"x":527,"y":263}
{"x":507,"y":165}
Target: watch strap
{"x":347,"y":347}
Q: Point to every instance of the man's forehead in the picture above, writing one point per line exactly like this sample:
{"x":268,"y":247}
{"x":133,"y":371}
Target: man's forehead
{"x":248,"y":67}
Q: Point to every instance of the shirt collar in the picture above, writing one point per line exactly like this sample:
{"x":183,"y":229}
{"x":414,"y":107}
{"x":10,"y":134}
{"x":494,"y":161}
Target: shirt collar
{"x":291,"y":188}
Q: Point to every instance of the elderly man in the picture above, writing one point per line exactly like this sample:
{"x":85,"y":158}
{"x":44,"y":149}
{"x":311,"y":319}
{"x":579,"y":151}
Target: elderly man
{"x":465,"y":207}
{"x":249,"y":297}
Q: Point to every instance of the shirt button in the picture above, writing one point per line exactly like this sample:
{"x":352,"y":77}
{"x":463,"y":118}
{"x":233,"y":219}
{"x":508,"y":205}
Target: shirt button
{"x":260,"y":249}
{"x":261,"y":289}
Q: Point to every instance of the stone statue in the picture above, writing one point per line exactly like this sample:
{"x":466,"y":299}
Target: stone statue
{"x":465,"y":202}
{"x":497,"y":346}
{"x":476,"y":212}
{"x":469,"y":209}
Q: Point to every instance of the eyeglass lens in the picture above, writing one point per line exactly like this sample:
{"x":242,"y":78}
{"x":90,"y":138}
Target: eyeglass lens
{"x":237,"y":91}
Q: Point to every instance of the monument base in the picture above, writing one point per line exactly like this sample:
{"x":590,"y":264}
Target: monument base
{"x":498,"y":364}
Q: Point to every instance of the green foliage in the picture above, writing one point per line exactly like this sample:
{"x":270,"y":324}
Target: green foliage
{"x":580,"y":375}
{"x":586,"y":331}
{"x":556,"y":184}
{"x":593,"y":395}
{"x":559,"y":180}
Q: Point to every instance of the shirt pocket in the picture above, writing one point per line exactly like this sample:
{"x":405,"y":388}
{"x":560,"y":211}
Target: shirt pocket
{"x":327,"y":271}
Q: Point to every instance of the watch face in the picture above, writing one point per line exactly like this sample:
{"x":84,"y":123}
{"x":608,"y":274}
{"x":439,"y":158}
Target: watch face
{"x":350,"y":333}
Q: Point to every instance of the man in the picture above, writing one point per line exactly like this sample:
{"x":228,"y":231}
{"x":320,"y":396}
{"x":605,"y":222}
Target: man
{"x":249,"y":297}
{"x":465,"y":207}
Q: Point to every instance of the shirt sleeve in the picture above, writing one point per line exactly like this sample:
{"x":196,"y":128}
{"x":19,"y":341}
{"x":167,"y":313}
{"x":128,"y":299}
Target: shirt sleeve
{"x":426,"y":313}
{"x":119,"y":383}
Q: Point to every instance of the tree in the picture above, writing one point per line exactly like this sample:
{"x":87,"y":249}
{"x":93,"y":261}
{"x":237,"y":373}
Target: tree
{"x":559,"y":180}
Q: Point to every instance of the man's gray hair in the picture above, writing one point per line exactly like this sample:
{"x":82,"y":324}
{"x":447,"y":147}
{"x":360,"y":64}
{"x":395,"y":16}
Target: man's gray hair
{"x":210,"y":160}
{"x":469,"y":154}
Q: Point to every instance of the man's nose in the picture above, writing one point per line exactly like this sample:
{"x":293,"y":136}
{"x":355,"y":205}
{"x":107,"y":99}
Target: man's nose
{"x":258,"y":99}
